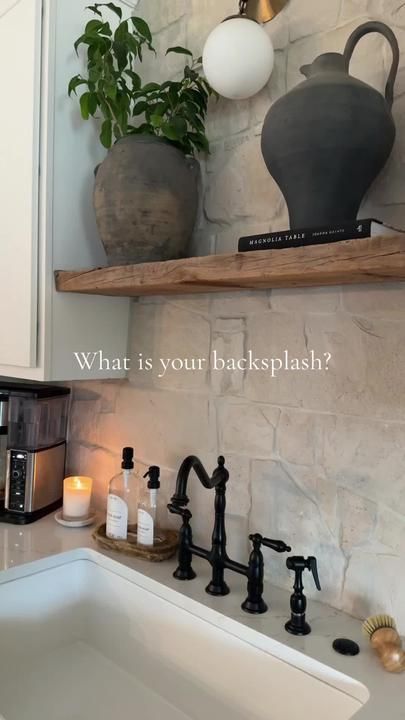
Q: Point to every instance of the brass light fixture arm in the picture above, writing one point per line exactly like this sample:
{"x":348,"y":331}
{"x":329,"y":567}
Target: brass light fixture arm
{"x":261,"y":10}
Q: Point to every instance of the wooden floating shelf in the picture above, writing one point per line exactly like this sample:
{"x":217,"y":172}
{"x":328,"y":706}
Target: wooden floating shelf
{"x":377,"y":259}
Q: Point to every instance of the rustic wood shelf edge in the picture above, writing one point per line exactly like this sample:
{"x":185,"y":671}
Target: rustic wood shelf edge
{"x":368,"y":260}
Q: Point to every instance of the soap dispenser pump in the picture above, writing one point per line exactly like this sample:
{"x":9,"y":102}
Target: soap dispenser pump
{"x":297,"y":624}
{"x":122,"y":502}
{"x":147,"y":508}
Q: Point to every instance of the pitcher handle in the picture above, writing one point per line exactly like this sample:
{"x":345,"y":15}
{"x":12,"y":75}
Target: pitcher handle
{"x":383,"y":29}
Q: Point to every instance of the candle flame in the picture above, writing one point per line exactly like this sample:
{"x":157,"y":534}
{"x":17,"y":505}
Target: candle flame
{"x":78,"y":483}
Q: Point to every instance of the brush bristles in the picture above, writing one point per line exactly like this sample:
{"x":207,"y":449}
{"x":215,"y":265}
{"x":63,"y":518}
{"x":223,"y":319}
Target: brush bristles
{"x":376,"y":623}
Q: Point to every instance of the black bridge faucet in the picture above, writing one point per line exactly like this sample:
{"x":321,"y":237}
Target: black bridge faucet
{"x":217,"y":556}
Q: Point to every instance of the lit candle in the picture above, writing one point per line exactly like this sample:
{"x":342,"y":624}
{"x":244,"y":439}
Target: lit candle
{"x":76,"y":497}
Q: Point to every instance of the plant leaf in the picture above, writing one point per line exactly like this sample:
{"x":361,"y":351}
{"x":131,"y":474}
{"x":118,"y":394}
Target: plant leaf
{"x":105,"y":108}
{"x":75,"y":83}
{"x":136,"y":80}
{"x":173,"y":96}
{"x":150,"y":87}
{"x":92,"y":103}
{"x":169,"y":132}
{"x":121,"y":54}
{"x":175,"y":129}
{"x":179,"y":50}
{"x":115,"y":9}
{"x":95,"y":72}
{"x":93,"y":26}
{"x":121,"y":33}
{"x":200,"y":141}
{"x":117,"y":131}
{"x":106,"y":29}
{"x":88,"y":104}
{"x":190,"y":73}
{"x":142,"y":27}
{"x":110,"y":90}
{"x":84,"y":105}
{"x":94,"y":8}
{"x":79,"y":42}
{"x":156,"y":121}
{"x":195,"y":96}
{"x":160,"y":108}
{"x":139,"y":108}
{"x":133,"y":44}
{"x":194,"y":120}
{"x":144,"y":129}
{"x":106,"y":134}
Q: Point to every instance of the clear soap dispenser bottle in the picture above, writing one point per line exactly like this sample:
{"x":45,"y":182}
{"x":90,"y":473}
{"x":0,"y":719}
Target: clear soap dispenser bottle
{"x":123,"y":498}
{"x":147,"y":508}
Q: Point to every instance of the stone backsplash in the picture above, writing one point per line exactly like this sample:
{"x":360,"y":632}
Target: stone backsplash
{"x":316,"y":458}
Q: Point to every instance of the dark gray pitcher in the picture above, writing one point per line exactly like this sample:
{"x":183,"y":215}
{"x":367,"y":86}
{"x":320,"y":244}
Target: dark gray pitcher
{"x":326,"y":141}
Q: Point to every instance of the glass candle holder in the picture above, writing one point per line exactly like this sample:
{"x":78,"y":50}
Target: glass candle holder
{"x":76,"y":497}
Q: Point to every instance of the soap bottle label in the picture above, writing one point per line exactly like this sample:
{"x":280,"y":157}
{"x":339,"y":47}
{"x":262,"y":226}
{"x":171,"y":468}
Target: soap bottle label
{"x":145,"y":528}
{"x":117,"y":518}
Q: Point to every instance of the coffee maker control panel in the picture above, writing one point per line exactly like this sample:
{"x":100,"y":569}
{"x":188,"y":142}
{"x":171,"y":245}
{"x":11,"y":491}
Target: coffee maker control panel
{"x":17,"y":480}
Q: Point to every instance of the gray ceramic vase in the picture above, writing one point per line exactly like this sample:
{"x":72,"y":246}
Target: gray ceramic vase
{"x":326,"y":141}
{"x":146,"y":201}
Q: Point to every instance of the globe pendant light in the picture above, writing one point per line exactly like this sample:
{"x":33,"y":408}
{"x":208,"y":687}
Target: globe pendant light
{"x":238,"y":57}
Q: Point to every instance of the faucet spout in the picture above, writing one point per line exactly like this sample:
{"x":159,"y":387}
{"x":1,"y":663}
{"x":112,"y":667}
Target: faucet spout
{"x":217,"y":555}
{"x":220,"y":475}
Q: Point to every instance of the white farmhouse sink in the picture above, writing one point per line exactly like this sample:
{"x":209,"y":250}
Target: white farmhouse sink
{"x":89,"y":639}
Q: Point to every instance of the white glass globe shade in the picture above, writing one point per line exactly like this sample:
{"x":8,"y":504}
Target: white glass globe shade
{"x":238,"y":58}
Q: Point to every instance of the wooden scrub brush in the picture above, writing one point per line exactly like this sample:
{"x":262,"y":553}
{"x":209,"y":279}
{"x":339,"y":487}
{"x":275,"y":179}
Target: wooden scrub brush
{"x":385,"y":640}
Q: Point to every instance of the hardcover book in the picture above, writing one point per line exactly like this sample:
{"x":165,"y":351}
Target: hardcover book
{"x":316,"y":236}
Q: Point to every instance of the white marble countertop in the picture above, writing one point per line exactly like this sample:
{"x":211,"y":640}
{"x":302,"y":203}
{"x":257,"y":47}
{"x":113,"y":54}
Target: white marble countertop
{"x":24,"y":544}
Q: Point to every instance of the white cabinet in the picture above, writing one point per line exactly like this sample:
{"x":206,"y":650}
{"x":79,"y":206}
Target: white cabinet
{"x":20,"y":56}
{"x":47,"y":160}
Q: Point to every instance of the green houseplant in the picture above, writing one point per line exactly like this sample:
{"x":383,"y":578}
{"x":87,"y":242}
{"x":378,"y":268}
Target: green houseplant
{"x":146,"y":190}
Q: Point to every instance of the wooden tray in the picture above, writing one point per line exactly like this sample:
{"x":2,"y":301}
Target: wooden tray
{"x":165,"y":547}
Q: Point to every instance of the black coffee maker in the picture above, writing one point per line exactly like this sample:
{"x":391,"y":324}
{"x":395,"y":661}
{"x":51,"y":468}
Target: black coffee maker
{"x":3,"y":446}
{"x":33,"y":449}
